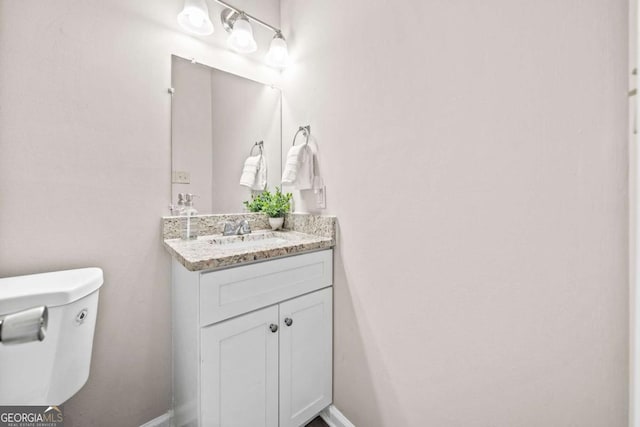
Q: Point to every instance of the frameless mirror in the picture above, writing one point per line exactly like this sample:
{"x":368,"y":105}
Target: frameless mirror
{"x":216,"y":120}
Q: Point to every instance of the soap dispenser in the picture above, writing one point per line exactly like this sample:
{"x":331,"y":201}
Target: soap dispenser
{"x":190,"y":227}
{"x":178,"y":208}
{"x":189,"y":210}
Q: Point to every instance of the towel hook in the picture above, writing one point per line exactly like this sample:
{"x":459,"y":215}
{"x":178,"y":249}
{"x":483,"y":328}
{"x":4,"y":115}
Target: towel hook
{"x":306,"y":131}
{"x":258,"y":144}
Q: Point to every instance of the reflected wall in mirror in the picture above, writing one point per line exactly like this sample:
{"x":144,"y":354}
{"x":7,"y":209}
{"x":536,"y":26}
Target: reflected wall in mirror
{"x":216,"y":118}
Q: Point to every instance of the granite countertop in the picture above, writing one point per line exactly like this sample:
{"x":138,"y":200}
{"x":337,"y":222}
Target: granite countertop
{"x":204,"y":254}
{"x":211,"y":250}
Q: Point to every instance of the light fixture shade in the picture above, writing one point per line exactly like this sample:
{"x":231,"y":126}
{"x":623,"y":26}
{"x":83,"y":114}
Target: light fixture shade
{"x":241,"y":38}
{"x":278,"y":55}
{"x":195,"y":18}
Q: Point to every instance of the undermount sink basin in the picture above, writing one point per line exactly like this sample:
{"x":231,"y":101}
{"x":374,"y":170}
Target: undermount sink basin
{"x":248,"y":240}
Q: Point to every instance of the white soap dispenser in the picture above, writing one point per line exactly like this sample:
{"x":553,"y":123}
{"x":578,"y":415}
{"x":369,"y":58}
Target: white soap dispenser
{"x":178,"y":208}
{"x":190,"y":228}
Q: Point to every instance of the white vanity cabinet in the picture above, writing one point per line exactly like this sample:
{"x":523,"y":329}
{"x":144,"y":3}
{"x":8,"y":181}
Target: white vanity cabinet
{"x":252,"y":345}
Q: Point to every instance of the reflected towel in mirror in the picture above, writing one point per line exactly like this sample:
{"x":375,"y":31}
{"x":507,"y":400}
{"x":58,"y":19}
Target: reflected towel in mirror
{"x":254,"y":173}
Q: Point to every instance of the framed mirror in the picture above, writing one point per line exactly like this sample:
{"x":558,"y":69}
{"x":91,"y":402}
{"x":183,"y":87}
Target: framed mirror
{"x":216,"y":120}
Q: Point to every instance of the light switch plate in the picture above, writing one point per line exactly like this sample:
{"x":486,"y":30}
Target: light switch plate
{"x":181,"y":177}
{"x":321,"y":197}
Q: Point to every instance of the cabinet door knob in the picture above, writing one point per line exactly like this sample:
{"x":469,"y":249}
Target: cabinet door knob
{"x":273,"y":327}
{"x":288,"y":321}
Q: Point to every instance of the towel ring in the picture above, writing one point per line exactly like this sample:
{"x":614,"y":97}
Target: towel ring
{"x":306,"y":131}
{"x":259,"y":144}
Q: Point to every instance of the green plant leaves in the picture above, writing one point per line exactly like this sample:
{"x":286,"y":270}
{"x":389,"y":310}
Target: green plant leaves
{"x":256,"y":203}
{"x":274,"y":205}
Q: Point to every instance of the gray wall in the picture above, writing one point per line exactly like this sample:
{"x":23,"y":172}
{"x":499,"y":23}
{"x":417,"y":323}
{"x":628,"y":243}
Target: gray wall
{"x":475,"y":154}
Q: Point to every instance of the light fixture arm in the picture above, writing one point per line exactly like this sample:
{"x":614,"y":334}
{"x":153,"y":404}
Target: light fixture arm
{"x":253,"y":18}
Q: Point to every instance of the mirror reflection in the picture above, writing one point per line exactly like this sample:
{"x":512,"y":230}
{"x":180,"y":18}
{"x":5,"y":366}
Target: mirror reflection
{"x":219,"y":120}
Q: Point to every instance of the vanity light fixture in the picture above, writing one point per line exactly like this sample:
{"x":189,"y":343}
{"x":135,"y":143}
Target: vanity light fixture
{"x":195,"y":18}
{"x":241,"y":38}
{"x":278,"y":55}
{"x":234,"y":19}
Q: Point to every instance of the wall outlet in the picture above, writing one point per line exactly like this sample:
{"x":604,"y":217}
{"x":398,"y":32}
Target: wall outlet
{"x":180,"y":177}
{"x":321,"y":197}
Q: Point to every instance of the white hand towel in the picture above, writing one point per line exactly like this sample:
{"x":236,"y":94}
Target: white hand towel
{"x":250,"y":171}
{"x":298,"y":168}
{"x":261,"y":176}
{"x":304,"y":179}
{"x":291,"y":164}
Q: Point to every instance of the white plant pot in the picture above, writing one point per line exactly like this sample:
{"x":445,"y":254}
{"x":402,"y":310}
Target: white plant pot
{"x":276,"y":223}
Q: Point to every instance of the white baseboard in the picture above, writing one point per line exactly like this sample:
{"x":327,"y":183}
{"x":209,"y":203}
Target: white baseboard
{"x":334,"y":418}
{"x":163,"y":420}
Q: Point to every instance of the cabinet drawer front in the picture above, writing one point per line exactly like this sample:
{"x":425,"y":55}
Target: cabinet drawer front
{"x":230,"y":292}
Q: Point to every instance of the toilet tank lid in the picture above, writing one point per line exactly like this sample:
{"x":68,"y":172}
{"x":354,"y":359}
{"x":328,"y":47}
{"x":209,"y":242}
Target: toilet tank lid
{"x":50,"y":289}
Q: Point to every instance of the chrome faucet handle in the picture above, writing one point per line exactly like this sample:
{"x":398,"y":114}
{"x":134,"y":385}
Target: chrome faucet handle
{"x":237,"y":228}
{"x":229,"y":229}
{"x":244,"y":227}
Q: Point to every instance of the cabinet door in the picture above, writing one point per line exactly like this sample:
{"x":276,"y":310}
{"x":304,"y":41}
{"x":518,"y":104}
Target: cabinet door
{"x":305,"y":357}
{"x":239,"y":371}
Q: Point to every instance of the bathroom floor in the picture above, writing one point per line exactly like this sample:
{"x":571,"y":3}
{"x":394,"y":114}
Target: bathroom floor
{"x":317,"y":422}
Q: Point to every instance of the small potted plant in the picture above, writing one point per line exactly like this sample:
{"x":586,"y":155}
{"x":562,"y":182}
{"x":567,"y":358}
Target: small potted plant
{"x":275,"y":206}
{"x":256,"y":202}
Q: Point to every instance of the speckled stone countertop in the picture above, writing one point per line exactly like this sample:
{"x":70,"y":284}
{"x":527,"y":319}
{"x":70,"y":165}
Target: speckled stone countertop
{"x":211,"y":250}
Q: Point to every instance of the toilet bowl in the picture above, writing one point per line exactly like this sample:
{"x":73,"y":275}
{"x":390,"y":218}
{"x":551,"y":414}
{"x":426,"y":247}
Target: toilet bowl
{"x":47,"y":361}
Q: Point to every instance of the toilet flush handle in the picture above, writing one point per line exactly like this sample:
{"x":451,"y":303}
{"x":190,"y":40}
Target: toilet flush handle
{"x":24,"y":326}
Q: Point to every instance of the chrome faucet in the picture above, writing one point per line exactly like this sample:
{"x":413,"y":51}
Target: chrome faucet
{"x":239,"y":228}
{"x":243,"y":227}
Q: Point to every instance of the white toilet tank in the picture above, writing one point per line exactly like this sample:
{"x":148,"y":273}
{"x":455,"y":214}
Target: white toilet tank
{"x":50,"y":371}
